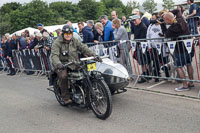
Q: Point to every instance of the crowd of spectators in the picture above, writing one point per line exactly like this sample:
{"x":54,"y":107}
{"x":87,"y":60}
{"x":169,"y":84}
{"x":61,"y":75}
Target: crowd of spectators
{"x":164,"y":24}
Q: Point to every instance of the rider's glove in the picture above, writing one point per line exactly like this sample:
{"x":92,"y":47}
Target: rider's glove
{"x":60,"y":66}
{"x":98,"y":59}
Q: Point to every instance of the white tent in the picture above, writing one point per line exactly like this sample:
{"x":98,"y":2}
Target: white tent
{"x":55,"y":27}
{"x":48,"y":28}
{"x":31,"y":30}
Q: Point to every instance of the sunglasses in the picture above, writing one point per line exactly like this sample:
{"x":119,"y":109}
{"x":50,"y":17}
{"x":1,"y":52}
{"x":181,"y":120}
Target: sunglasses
{"x":67,"y":34}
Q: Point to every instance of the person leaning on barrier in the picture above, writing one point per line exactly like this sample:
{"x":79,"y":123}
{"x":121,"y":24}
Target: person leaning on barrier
{"x":88,"y":36}
{"x":108,"y":31}
{"x":182,"y":57}
{"x":47,"y":41}
{"x":41,"y":28}
{"x":64,"y":50}
{"x":39,"y":42}
{"x":120,"y":32}
{"x":143,"y":59}
{"x":98,"y":36}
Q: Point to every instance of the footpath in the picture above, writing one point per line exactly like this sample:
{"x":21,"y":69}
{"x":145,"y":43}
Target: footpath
{"x":166,"y":87}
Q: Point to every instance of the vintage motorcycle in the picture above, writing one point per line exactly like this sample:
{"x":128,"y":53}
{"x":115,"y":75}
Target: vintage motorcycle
{"x":87,"y":88}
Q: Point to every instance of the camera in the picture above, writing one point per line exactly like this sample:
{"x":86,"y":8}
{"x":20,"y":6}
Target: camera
{"x":155,"y":21}
{"x":128,"y":20}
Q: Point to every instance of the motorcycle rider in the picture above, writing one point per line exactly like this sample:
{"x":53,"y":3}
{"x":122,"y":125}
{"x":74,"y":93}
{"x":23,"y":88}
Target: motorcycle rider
{"x":64,"y":50}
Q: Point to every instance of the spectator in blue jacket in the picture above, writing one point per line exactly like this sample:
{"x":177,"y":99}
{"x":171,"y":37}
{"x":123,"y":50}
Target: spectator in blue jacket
{"x":108,"y":31}
{"x":88,"y":36}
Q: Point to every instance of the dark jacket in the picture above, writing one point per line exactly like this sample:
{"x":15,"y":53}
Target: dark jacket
{"x":178,"y":28}
{"x":88,"y":36}
{"x":9,"y":47}
{"x":98,"y":37}
{"x":140,"y":31}
{"x":144,"y":20}
{"x":44,"y":30}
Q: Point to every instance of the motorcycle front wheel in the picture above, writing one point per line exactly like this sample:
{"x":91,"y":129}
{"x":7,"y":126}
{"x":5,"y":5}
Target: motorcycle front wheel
{"x":101,"y":101}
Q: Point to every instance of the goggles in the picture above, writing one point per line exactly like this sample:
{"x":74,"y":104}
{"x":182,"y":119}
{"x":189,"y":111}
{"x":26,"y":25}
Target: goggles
{"x":68,"y":30}
{"x":68,"y":33}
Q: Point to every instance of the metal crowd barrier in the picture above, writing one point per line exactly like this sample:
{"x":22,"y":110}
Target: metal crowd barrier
{"x":158,"y":62}
{"x":31,"y":61}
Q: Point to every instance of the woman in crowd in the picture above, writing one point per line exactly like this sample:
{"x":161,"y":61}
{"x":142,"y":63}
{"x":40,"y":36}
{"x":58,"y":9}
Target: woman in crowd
{"x":120,"y":32}
{"x":26,"y":33}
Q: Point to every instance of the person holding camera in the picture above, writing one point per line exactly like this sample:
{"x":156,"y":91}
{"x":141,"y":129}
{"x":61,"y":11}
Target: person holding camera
{"x":181,"y":56}
{"x":126,"y":23}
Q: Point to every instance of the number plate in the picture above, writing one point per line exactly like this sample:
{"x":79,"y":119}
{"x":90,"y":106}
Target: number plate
{"x":91,"y":67}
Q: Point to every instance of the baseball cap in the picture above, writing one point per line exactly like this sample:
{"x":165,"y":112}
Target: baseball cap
{"x":134,"y":17}
{"x":39,"y":25}
{"x":134,"y":11}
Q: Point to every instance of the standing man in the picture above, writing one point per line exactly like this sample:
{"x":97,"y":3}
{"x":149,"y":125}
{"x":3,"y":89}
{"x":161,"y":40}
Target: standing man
{"x":88,"y":36}
{"x":144,"y":19}
{"x":114,"y":15}
{"x":41,"y":28}
{"x":182,"y":57}
{"x":108,"y":30}
{"x":192,"y":21}
{"x":10,"y":45}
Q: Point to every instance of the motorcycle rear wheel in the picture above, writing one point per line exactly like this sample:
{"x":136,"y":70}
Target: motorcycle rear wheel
{"x":101,"y":102}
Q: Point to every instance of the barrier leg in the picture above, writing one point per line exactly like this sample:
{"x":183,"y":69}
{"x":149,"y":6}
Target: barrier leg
{"x":136,"y":81}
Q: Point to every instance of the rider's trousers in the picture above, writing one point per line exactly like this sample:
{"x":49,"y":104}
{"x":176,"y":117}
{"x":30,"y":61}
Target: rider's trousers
{"x":63,"y":84}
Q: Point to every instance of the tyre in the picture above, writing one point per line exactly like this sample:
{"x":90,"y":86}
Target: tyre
{"x":101,"y":102}
{"x":58,"y":92}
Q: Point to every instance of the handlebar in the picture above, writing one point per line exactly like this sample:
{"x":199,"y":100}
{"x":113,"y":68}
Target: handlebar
{"x":83,"y":59}
{"x":91,"y":58}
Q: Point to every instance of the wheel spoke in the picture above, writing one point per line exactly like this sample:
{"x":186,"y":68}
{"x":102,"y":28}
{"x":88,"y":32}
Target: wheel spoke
{"x":100,"y":104}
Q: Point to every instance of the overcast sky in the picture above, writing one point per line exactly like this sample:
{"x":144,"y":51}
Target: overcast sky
{"x":124,"y":1}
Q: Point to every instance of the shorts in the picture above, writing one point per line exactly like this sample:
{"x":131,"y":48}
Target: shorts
{"x":164,"y":60}
{"x":182,"y":59}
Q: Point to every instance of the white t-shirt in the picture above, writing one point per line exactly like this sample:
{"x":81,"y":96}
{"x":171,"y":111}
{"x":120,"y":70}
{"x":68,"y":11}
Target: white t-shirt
{"x":153,"y":32}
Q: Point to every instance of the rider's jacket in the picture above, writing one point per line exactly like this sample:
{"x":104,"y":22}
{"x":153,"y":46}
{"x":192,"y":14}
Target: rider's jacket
{"x":60,"y":49}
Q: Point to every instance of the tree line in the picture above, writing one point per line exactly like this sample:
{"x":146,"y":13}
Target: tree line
{"x":15,"y":16}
